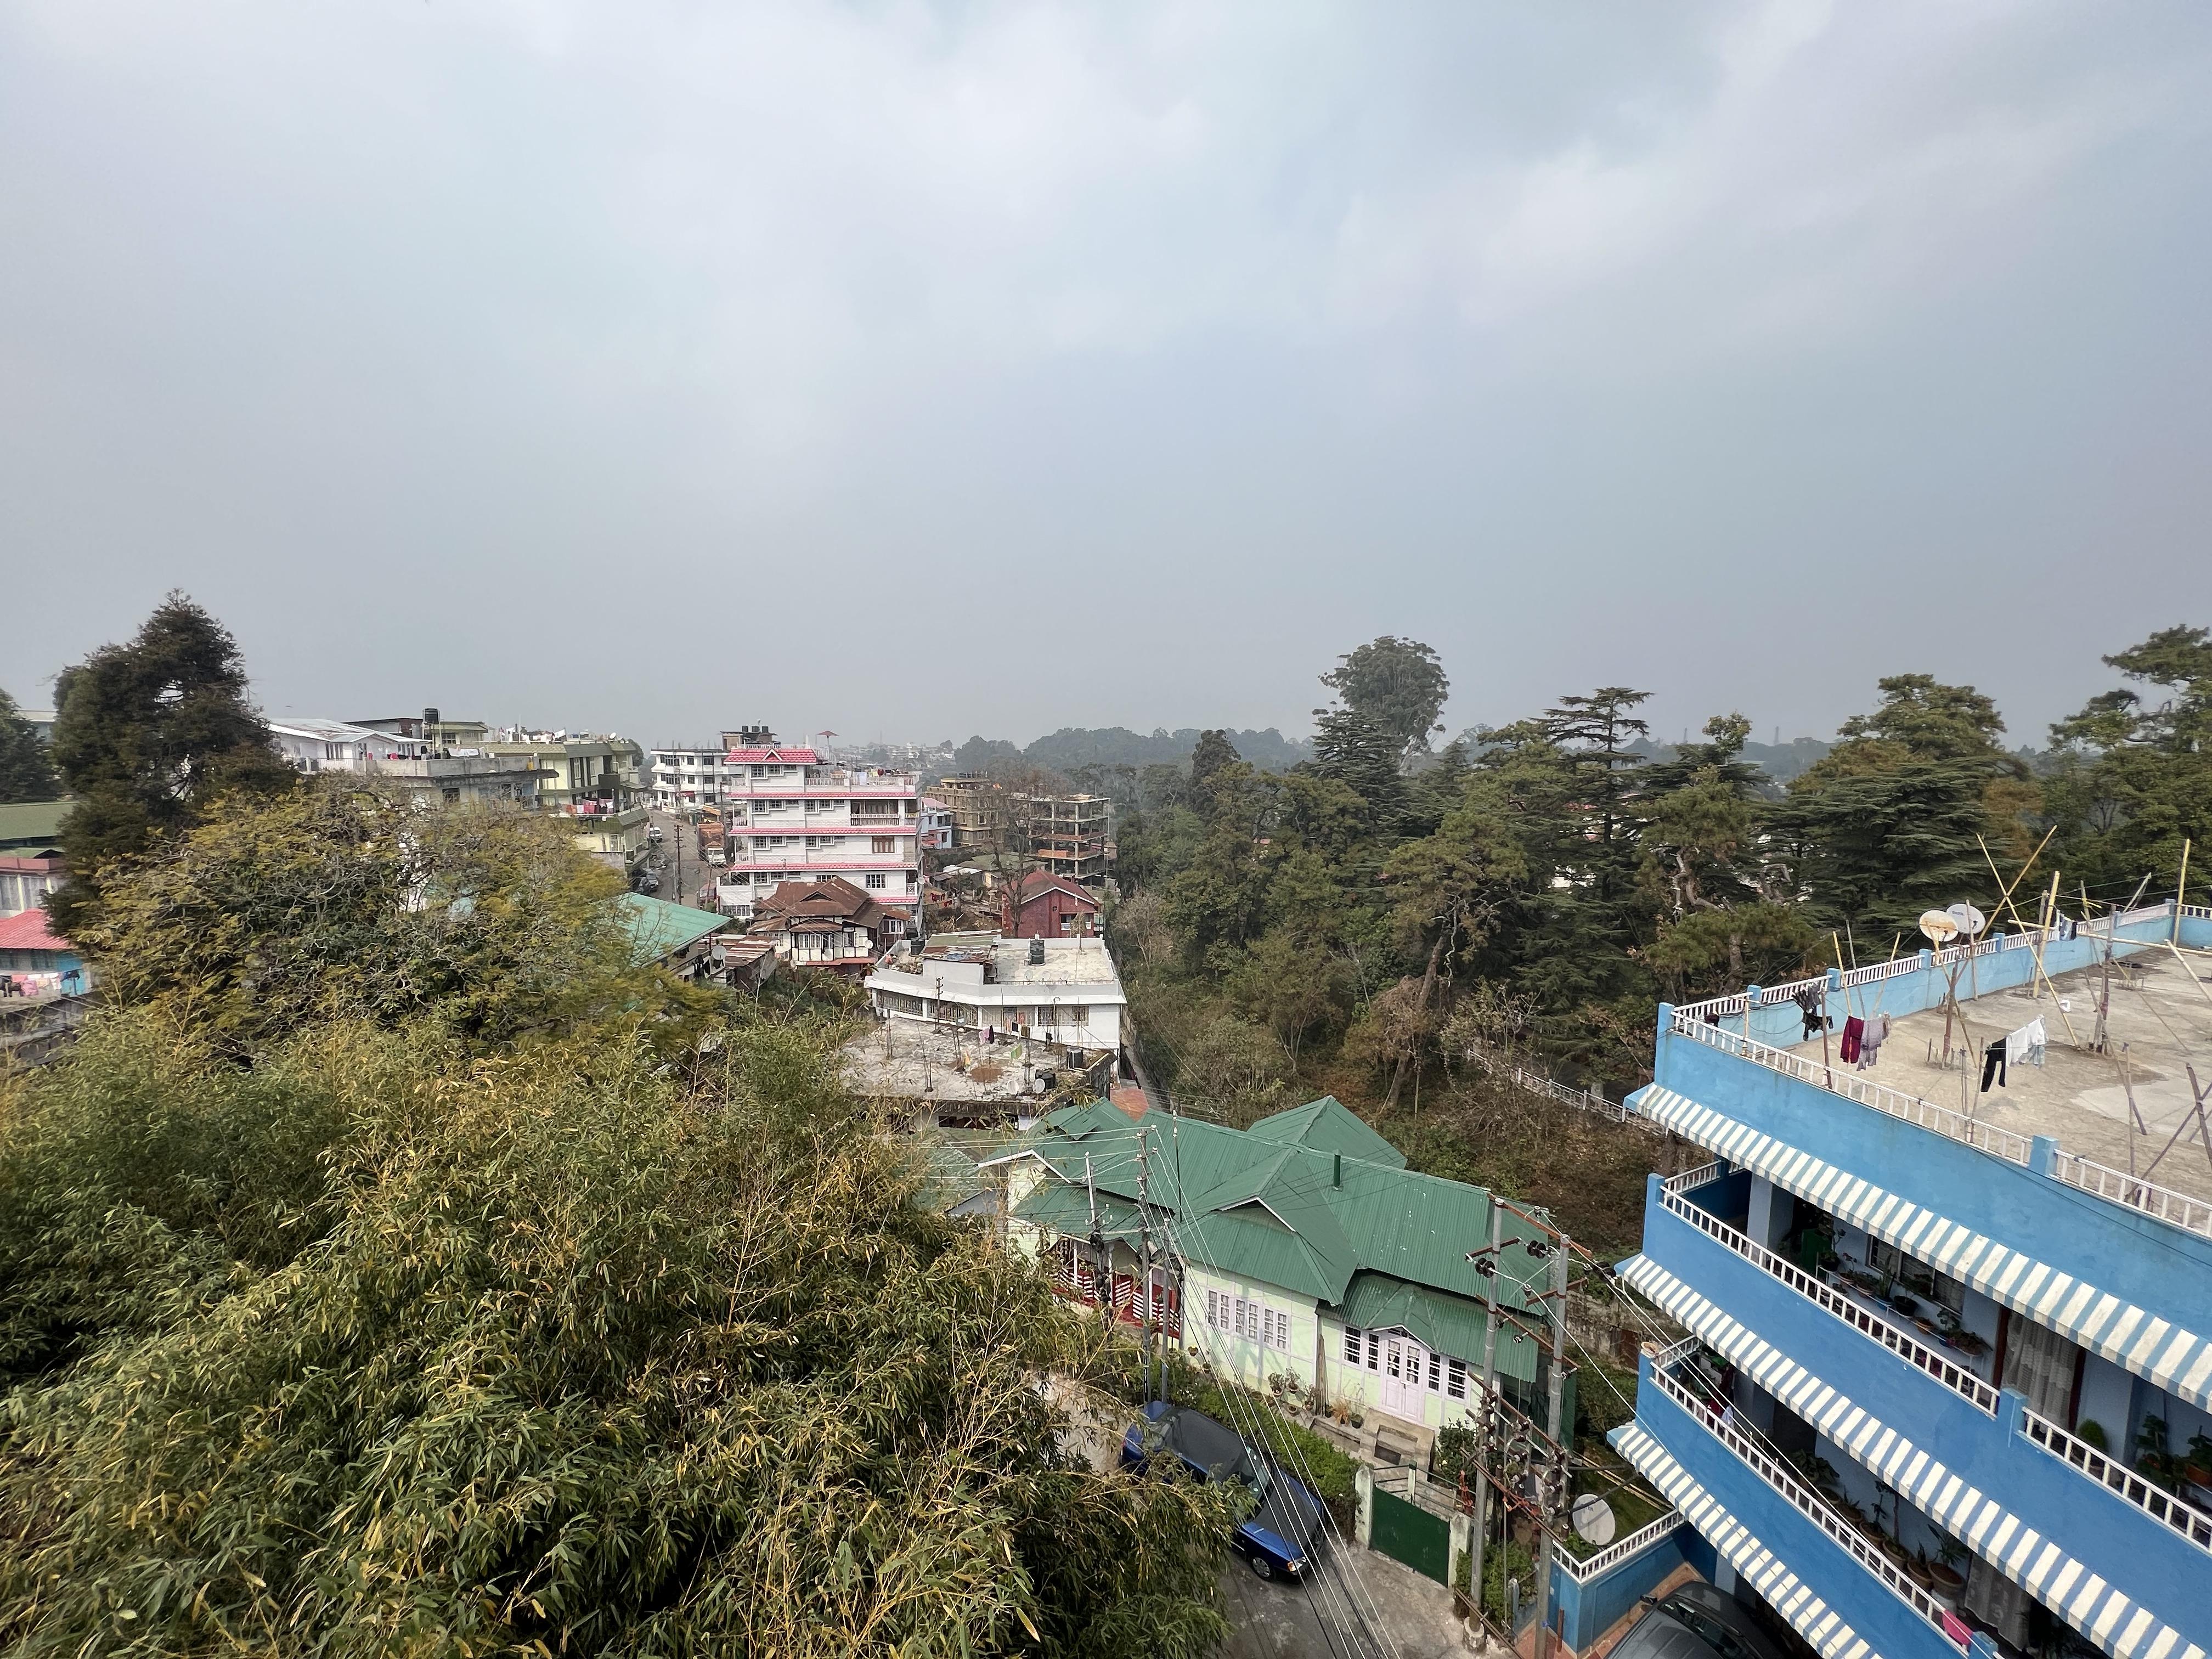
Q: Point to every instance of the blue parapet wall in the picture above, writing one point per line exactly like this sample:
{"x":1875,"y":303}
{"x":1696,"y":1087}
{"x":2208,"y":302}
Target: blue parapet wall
{"x":2123,"y":1252}
{"x":2004,"y":961}
{"x":1586,"y":1612}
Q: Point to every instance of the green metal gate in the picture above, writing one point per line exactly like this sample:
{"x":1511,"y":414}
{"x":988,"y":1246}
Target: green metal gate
{"x":1406,"y":1532}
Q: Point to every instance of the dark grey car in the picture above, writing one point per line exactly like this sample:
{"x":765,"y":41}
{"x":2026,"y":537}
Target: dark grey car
{"x":1696,"y":1621}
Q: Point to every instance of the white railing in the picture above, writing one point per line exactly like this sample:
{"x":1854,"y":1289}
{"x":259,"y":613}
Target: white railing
{"x":1875,"y":972}
{"x":1956,"y":1126}
{"x":1582,"y":1100}
{"x":2202,"y":912}
{"x":1690,"y":1180}
{"x":2161,"y":1203}
{"x":1952,"y":1375}
{"x":1618,"y":1552}
{"x":1808,"y":1503}
{"x":2191,"y":1522}
{"x":2026,"y":938}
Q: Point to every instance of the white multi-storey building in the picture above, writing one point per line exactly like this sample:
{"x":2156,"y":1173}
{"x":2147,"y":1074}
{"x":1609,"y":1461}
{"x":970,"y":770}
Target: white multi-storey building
{"x":790,"y":814}
{"x":686,"y":775}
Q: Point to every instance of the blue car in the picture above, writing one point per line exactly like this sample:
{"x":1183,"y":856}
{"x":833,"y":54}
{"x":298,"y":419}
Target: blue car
{"x":1283,"y":1535}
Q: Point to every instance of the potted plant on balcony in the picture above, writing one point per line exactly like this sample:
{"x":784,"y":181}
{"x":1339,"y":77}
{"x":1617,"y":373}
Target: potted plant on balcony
{"x":2152,"y":1462}
{"x":1947,"y":1580}
{"x":2198,"y":1470}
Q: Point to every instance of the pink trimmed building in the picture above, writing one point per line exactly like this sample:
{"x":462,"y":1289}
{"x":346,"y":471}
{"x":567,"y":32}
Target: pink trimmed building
{"x":789,"y":813}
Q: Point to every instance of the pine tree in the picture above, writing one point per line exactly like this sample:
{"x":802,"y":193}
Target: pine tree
{"x":27,"y":772}
{"x":146,"y":735}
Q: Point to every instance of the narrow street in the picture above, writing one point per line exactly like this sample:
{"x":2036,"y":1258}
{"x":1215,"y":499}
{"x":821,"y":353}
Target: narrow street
{"x":677,"y":861}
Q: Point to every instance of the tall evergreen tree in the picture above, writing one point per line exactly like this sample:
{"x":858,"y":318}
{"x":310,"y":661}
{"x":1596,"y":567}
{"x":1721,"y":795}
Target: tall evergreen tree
{"x":1356,"y":750}
{"x":27,"y":771}
{"x":145,"y":735}
{"x":1398,"y":683}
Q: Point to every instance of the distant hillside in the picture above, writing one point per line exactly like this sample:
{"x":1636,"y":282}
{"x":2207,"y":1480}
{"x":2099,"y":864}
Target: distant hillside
{"x":1074,"y":746}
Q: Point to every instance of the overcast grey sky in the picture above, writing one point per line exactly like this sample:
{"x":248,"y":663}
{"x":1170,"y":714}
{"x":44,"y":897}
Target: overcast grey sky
{"x":921,"y":370}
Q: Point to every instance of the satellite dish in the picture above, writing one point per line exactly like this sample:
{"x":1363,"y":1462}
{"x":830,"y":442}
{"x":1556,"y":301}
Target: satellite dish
{"x":1938,"y":927}
{"x":1593,"y":1522}
{"x":1970,"y":921}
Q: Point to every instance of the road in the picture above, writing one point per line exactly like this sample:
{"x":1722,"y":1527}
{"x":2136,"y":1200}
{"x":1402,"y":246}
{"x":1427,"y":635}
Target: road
{"x":677,"y":836}
{"x":1376,"y":1609}
{"x":1356,"y":1605}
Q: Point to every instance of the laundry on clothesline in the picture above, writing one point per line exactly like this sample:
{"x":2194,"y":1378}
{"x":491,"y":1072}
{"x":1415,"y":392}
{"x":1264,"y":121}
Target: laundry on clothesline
{"x":1854,"y":1029}
{"x":1813,"y":1005}
{"x":1871,"y":1038}
{"x":2027,"y":1046}
{"x":1993,"y":1065}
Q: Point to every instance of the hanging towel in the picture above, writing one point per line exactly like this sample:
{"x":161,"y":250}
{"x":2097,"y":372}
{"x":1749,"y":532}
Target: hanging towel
{"x":1854,"y":1030}
{"x":2026,"y":1046}
{"x":1871,"y":1039}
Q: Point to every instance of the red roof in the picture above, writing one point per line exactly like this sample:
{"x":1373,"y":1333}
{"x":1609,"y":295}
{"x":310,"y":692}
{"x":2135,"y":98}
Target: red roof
{"x":29,"y":930}
{"x":789,"y":757}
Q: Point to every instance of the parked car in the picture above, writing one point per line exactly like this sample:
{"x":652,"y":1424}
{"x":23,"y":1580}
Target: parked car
{"x":1283,"y":1535}
{"x":1696,"y":1621}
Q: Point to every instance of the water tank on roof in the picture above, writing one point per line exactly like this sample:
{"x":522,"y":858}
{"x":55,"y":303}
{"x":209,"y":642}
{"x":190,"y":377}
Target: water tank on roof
{"x":1036,"y":953}
{"x":429,"y":717}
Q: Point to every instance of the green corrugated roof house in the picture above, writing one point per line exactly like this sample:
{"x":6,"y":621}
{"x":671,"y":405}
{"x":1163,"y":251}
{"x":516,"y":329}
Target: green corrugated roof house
{"x":29,"y":827}
{"x":1305,"y":1246}
{"x":659,"y":930}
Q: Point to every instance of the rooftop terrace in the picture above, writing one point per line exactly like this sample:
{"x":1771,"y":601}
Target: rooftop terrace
{"x":2157,"y":1025}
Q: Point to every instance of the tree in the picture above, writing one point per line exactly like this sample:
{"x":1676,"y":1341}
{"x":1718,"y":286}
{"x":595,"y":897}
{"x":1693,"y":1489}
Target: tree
{"x":1726,"y":905}
{"x":27,"y":771}
{"x":2132,"y":782}
{"x":1450,"y":888}
{"x":145,"y":735}
{"x":1399,"y":684}
{"x":1355,"y":749}
{"x":558,"y":1351}
{"x":332,"y":901}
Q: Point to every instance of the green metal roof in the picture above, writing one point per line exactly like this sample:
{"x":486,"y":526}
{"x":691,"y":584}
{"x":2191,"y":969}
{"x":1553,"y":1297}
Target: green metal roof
{"x":1264,"y":1203}
{"x":32,"y":823}
{"x":657,"y":928}
{"x":1327,"y":1125}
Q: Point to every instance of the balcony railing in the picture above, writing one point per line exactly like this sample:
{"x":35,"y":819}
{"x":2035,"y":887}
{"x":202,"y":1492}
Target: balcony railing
{"x":2175,"y":1208}
{"x":1613,"y":1554}
{"x":2160,"y":1505}
{"x":1807,"y":1501}
{"x":2001,"y":1143}
{"x":1955,"y":1376}
{"x":1690,"y":1180}
{"x":2179,"y":1209}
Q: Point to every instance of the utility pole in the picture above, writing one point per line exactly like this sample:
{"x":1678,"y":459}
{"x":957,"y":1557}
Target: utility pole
{"x":1144,"y":1272}
{"x":1102,"y":1279}
{"x":1490,"y":1252}
{"x":1555,"y":1479}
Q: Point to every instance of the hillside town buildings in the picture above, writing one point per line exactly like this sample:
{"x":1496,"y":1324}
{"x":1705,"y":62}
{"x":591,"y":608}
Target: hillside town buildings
{"x":790,"y":814}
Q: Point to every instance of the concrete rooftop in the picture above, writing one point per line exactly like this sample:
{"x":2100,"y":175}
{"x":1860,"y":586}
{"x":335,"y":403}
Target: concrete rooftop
{"x":2158,"y":1025}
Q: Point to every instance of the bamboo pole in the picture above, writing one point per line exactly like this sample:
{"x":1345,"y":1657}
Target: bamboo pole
{"x":2181,"y":890}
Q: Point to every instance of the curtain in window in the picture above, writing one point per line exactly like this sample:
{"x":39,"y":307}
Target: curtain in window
{"x":2039,"y":1362}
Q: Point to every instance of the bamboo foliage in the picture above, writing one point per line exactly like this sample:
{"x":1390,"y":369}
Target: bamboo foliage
{"x":367,"y":1335}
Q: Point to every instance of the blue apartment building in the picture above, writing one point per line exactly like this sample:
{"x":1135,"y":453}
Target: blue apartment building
{"x":1944,"y":1375}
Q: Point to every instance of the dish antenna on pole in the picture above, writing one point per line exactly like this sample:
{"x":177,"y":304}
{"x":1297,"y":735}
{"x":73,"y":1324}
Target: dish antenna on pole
{"x":1939,"y":926}
{"x":1969,"y":921}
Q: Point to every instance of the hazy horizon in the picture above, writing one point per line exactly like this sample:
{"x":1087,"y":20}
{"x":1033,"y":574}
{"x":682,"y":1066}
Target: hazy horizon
{"x":916,"y":372}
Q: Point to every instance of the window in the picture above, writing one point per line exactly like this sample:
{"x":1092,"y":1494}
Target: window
{"x":1253,"y":1320}
{"x":1436,"y":1371}
{"x":876,"y":879}
{"x":883,"y":843}
{"x":1352,"y":1345}
{"x":1374,"y":1352}
{"x":1455,"y":1379}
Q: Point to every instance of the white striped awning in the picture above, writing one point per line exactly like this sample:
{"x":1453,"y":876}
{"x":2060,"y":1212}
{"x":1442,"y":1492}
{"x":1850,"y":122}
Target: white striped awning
{"x":2116,"y":1624}
{"x":1813,"y":1618}
{"x":2177,"y":1360}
